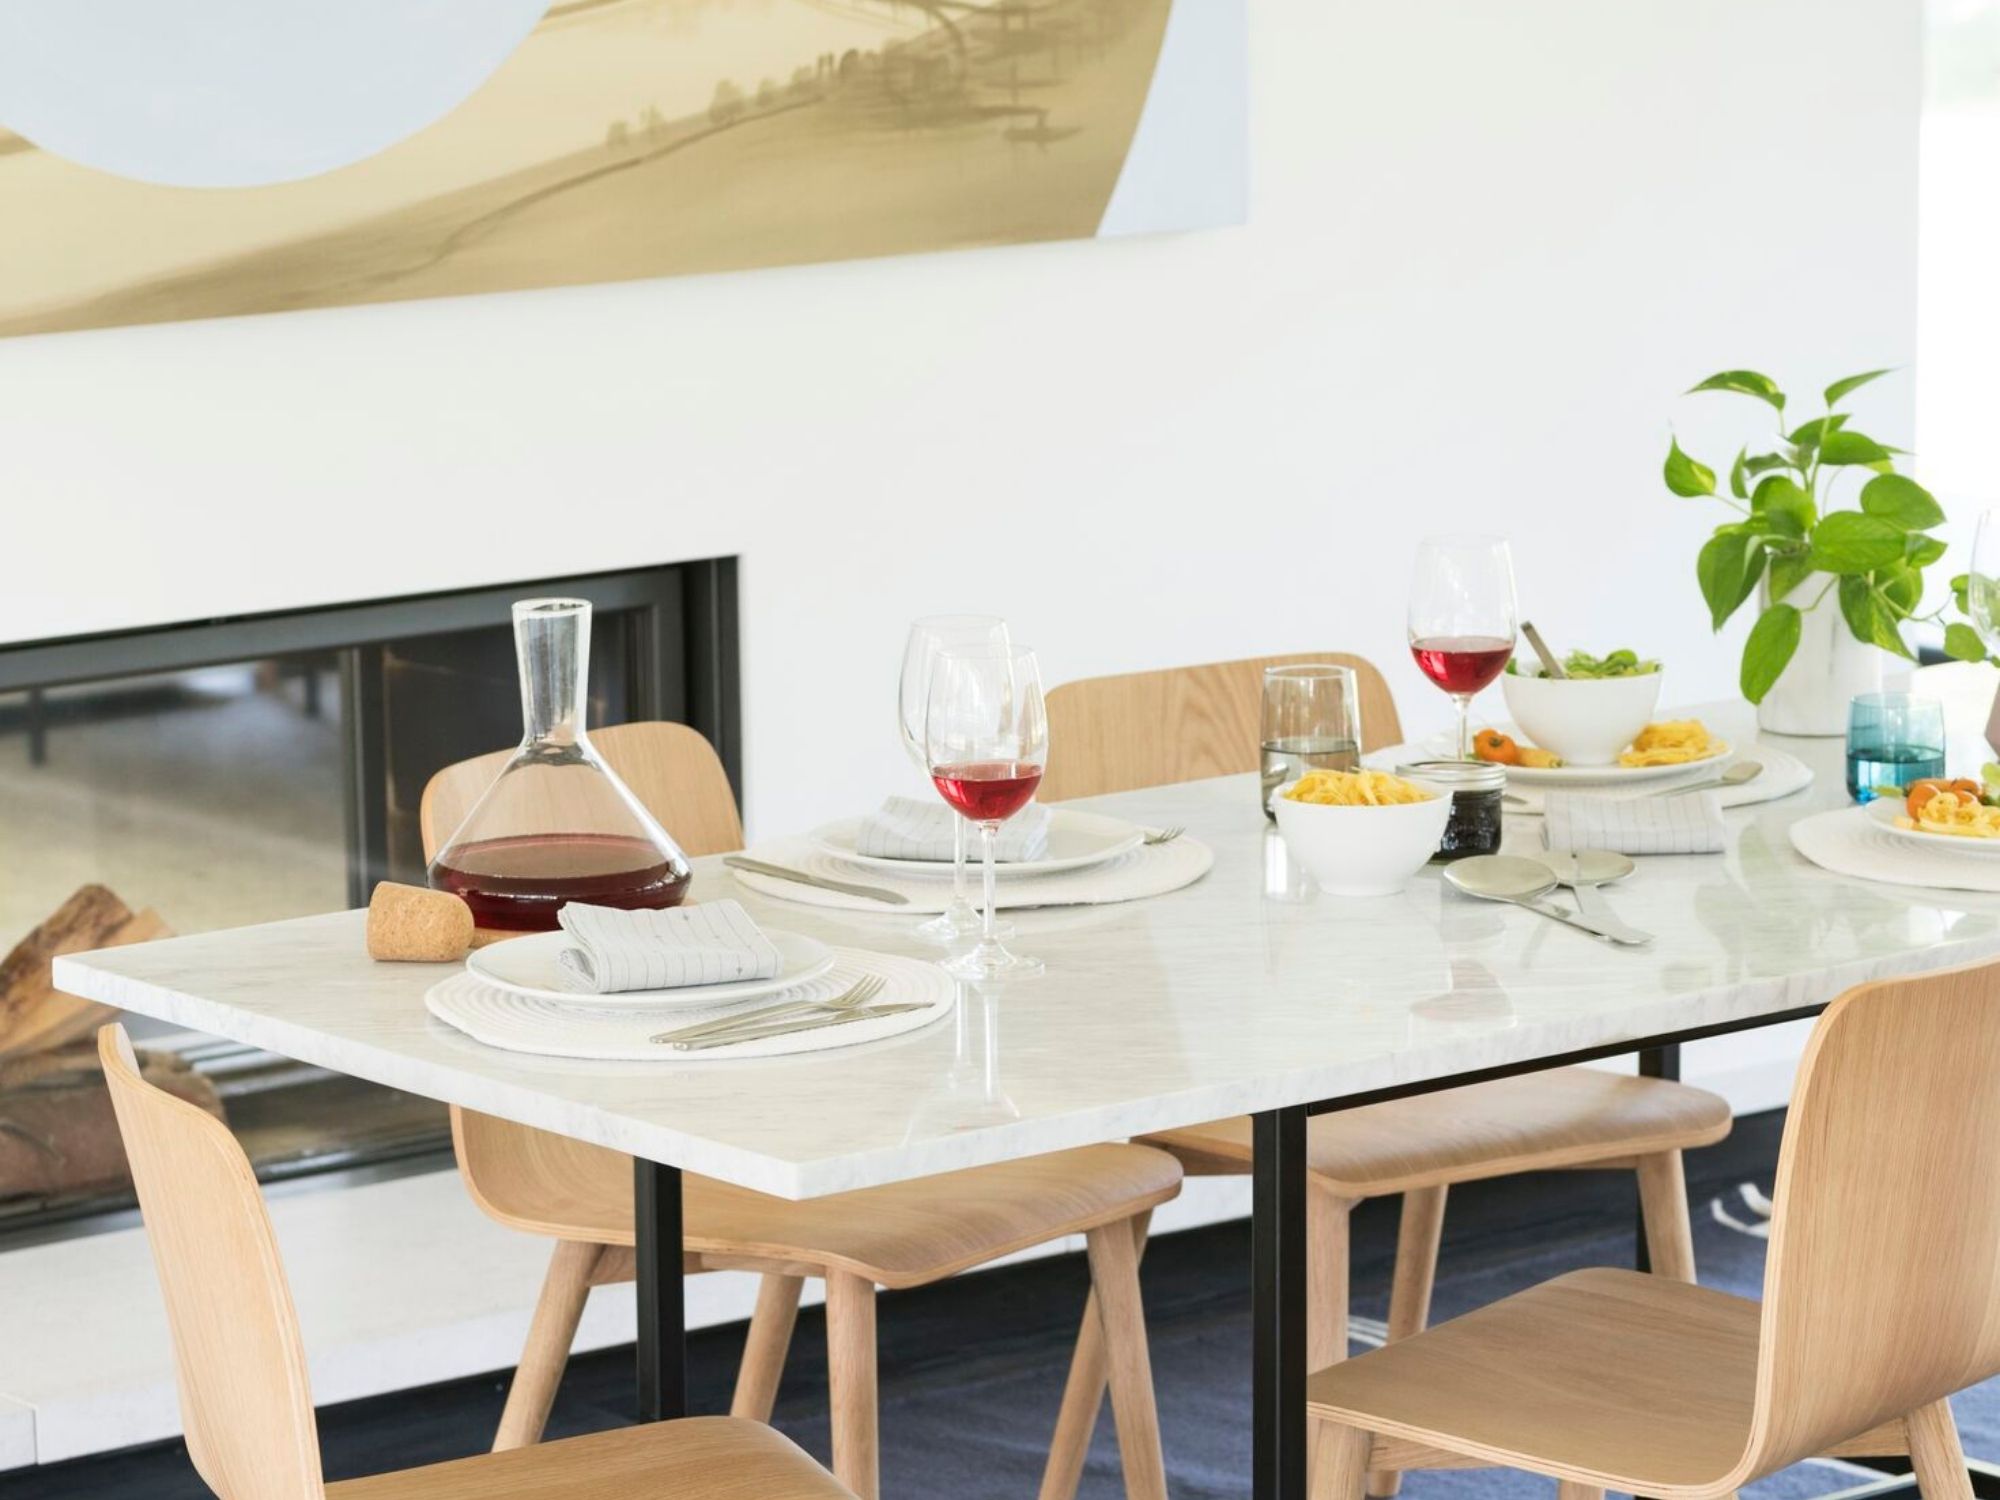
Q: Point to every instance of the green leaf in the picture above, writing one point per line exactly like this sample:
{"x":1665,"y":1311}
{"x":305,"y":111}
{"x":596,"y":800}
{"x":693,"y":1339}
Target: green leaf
{"x":1728,"y":567}
{"x":1772,"y":641}
{"x":1849,"y":542}
{"x":1903,"y":586}
{"x":1744,"y":383}
{"x":1921,"y":551}
{"x":1852,"y":383}
{"x":1867,"y":617}
{"x":1781,"y":501}
{"x":1788,"y":571}
{"x":1812,"y":433}
{"x":1765,"y":462}
{"x":1961,"y":587}
{"x":1901,"y":500}
{"x":1962,"y":643}
{"x":1846,"y":447}
{"x":1738,"y":486}
{"x":1686,"y":477}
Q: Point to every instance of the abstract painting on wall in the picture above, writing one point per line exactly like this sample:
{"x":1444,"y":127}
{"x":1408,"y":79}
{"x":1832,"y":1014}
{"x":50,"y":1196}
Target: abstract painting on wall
{"x":379,"y":150}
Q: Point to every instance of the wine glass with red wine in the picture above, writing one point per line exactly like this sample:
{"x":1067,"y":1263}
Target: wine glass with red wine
{"x":986,"y":736}
{"x":1462,"y":618}
{"x":927,"y":637}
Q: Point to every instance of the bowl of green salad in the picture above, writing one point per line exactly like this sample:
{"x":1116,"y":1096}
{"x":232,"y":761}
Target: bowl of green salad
{"x":1590,"y":713}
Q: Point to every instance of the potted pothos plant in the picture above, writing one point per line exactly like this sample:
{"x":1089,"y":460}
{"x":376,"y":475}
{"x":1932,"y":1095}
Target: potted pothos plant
{"x":1836,"y":583}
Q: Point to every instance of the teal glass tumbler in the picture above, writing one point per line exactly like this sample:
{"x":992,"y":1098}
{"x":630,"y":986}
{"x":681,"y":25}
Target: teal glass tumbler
{"x":1893,"y":739}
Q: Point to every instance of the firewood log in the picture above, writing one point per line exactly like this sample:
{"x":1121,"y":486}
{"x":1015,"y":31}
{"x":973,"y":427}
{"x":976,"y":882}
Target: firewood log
{"x":58,"y":1135}
{"x":34,"y":1015}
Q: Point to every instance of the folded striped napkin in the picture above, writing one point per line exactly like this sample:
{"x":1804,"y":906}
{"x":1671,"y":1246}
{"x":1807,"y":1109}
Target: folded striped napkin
{"x":912,"y":828}
{"x":615,"y":950}
{"x":1687,"y":824}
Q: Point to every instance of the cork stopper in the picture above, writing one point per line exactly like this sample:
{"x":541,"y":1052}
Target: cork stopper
{"x":411,"y":924}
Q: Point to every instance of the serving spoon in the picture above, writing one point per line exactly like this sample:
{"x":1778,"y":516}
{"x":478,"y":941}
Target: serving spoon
{"x":1518,"y":881}
{"x":1583,"y":871}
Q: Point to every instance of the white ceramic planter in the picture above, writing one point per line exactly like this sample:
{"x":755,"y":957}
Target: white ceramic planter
{"x":1828,"y":669}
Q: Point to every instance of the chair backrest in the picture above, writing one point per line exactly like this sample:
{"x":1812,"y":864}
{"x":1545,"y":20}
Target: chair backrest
{"x":670,"y":768}
{"x":677,"y":776}
{"x":1114,"y":734}
{"x":1882,"y":1288}
{"x":245,"y":1401}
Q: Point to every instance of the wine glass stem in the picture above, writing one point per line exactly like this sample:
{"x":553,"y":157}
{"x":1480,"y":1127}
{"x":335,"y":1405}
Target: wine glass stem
{"x":958,"y":863}
{"x":1464,"y":702}
{"x":986,"y":841}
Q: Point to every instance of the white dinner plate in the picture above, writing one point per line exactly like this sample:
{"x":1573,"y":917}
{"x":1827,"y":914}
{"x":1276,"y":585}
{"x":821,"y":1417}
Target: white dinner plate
{"x":1885,"y":811}
{"x":1615,"y":775}
{"x":527,"y":966}
{"x":1076,"y":840}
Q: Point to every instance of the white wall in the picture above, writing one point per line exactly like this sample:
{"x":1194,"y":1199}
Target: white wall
{"x":1489,"y":244}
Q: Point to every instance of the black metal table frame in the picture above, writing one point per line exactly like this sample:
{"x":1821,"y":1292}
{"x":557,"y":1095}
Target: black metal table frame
{"x":1277,"y":1254}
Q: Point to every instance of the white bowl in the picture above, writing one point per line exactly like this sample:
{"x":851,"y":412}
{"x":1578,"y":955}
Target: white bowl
{"x":1362,"y":851}
{"x":1585,"y":720}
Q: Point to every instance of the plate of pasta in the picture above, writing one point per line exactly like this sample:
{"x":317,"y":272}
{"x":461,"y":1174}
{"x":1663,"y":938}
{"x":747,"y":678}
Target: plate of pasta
{"x":1951,"y":817}
{"x":1660,"y":751}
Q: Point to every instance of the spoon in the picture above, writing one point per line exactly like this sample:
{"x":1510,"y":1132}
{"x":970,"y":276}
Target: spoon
{"x":1736,"y":775}
{"x":1583,"y":871}
{"x":1517,"y":881}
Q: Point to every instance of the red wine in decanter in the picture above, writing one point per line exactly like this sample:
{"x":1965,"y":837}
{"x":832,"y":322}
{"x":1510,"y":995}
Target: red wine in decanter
{"x":518,"y":884}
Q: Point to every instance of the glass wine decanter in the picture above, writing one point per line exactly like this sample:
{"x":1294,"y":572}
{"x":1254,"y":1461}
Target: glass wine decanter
{"x":557,"y":825}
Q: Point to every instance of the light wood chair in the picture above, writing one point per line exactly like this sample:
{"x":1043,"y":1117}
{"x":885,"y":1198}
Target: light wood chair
{"x":1881,"y":1298}
{"x":905,"y":1235}
{"x":246,"y":1403}
{"x":1203,"y":721}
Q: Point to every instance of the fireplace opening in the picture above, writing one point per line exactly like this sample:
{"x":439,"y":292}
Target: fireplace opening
{"x":238,"y":771}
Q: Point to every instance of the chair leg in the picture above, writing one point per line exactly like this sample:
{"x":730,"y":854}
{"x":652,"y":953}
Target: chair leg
{"x":557,"y":1312}
{"x":850,"y":1358}
{"x":1569,"y":1490}
{"x":1339,"y":1458}
{"x":1327,"y":1258}
{"x":1664,"y":1201}
{"x":765,"y":1349}
{"x":1083,"y":1395}
{"x":1410,"y":1291}
{"x":1114,"y":1274}
{"x":1936,"y":1455}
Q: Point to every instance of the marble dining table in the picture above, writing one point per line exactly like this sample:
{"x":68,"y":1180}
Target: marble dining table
{"x":1248,"y":992}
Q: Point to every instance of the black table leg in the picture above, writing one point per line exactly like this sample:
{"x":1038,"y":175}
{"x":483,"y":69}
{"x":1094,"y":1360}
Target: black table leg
{"x":1654,"y":1062}
{"x":1278,"y":1305}
{"x":656,"y":1205}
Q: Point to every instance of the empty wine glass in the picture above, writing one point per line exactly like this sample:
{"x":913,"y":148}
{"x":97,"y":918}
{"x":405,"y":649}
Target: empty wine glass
{"x":928,"y":636}
{"x":1982,"y":585}
{"x":1462,"y":618}
{"x":986,"y":735}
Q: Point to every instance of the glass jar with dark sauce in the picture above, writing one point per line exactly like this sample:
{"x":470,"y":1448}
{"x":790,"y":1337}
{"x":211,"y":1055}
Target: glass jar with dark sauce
{"x":1476,"y":789}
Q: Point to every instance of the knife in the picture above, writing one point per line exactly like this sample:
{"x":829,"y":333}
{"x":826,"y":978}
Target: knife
{"x":1581,"y":922}
{"x":780,"y":872}
{"x":786,"y":1028}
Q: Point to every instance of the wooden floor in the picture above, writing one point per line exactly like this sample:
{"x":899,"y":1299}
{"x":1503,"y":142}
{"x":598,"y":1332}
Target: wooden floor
{"x":927,"y":1338}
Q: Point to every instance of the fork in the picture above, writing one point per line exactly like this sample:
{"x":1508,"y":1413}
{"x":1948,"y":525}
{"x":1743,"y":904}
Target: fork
{"x":1163,"y":836}
{"x":865,"y":990}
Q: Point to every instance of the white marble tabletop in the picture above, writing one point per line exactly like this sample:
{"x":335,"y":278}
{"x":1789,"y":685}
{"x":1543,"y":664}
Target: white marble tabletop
{"x":1246,"y":991}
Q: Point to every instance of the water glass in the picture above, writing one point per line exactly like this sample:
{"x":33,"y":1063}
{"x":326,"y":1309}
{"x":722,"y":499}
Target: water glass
{"x":1311,"y":722}
{"x":1893,"y":739}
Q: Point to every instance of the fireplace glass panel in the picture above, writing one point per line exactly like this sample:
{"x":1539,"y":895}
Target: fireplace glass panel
{"x":249,"y":791}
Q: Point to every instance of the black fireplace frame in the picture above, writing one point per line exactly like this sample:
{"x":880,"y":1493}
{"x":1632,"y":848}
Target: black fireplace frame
{"x":681,"y":619}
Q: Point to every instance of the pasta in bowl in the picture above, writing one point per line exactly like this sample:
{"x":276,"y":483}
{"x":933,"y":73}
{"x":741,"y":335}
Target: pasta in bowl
{"x":1361,"y":833}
